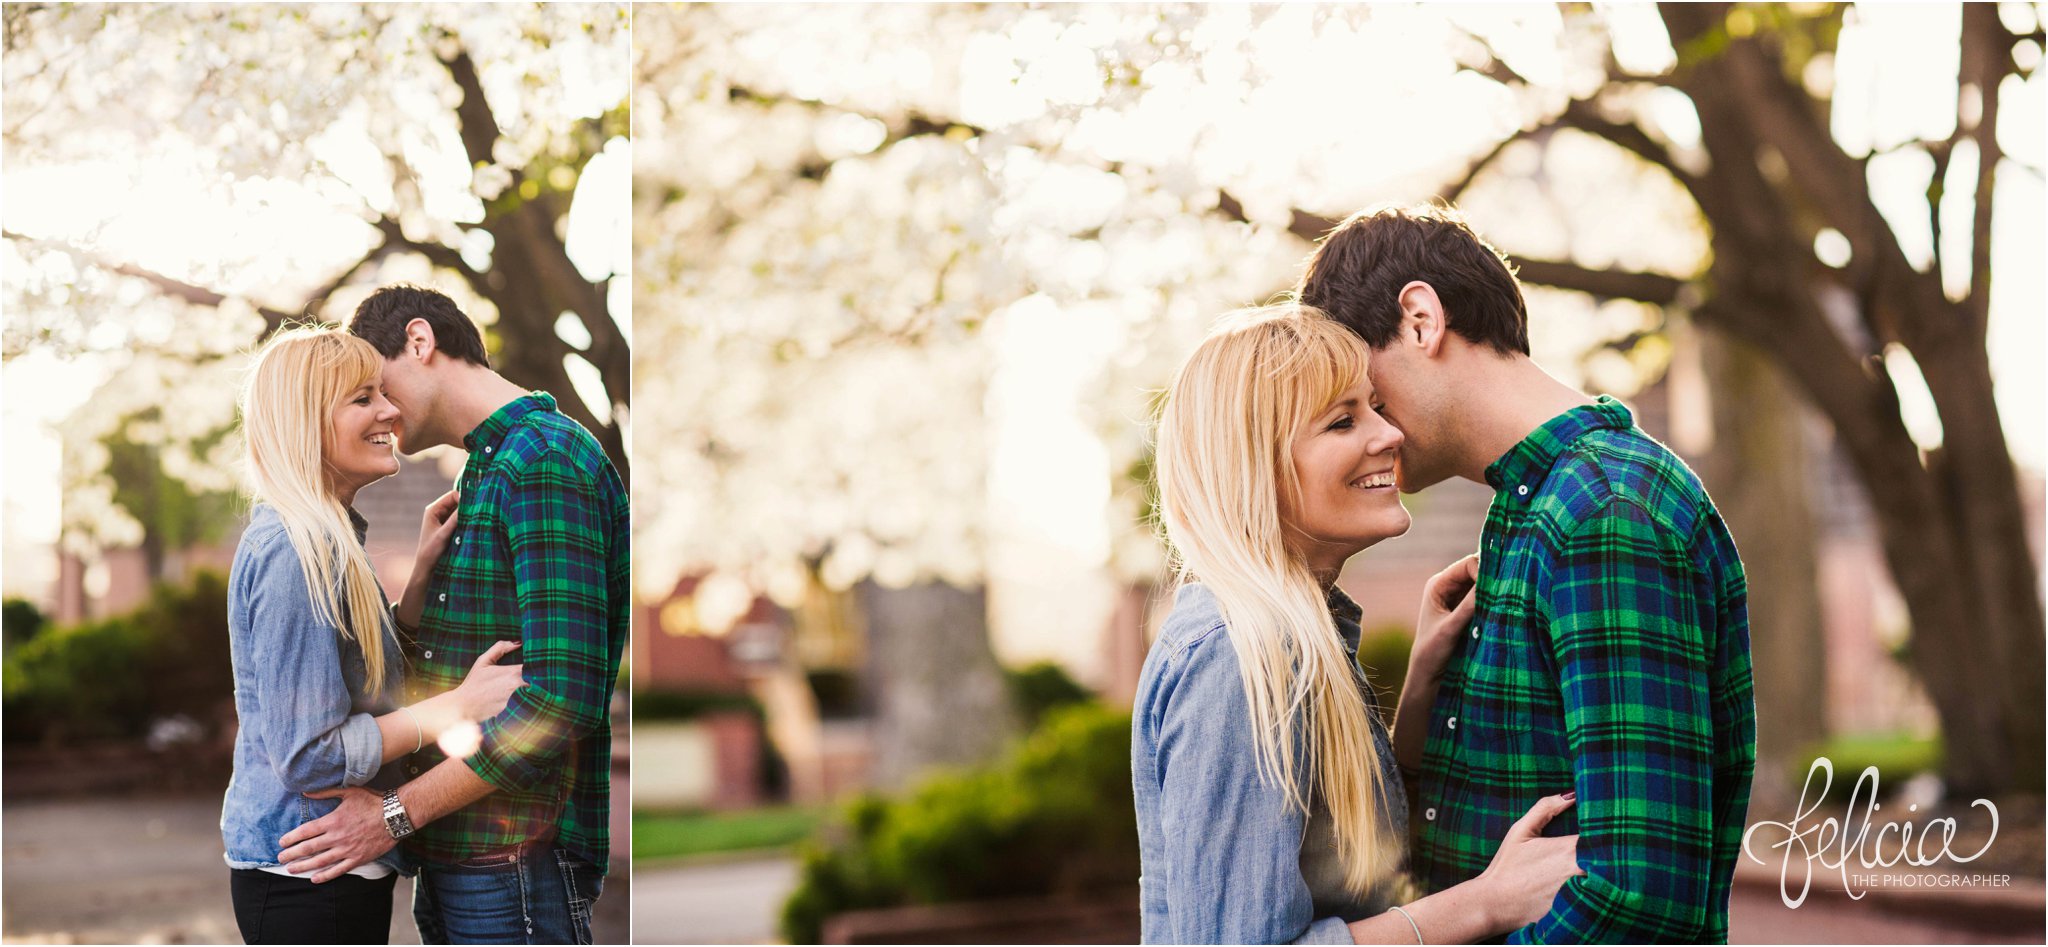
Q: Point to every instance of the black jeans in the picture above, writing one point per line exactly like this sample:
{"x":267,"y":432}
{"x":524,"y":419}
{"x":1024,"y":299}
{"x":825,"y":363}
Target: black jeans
{"x":274,"y":909}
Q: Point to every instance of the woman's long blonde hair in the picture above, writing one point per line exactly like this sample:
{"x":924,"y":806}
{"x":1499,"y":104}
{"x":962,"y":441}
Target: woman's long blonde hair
{"x":1225,"y":468}
{"x":301,"y":375}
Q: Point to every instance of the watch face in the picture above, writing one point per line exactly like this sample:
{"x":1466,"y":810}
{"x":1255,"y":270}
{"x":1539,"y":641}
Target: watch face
{"x":395,"y":821}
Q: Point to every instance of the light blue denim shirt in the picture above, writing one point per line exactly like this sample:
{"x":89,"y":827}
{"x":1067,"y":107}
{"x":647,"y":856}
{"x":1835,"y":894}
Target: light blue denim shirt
{"x":1226,"y":859}
{"x":301,"y":695}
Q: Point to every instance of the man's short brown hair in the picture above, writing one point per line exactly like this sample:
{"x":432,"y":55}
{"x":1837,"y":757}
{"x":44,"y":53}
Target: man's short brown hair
{"x":382,"y":318}
{"x":1357,"y":273}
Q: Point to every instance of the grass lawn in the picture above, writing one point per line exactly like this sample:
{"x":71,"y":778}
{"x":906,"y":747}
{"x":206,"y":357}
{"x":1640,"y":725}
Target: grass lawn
{"x":681,"y":834}
{"x":1897,"y":756}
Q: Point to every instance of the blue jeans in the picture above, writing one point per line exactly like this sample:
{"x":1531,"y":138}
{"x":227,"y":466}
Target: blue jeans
{"x":538,"y":895}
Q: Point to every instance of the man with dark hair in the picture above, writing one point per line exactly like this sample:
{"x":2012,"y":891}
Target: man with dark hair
{"x":1609,"y":651}
{"x":510,"y":833}
{"x":381,"y":320}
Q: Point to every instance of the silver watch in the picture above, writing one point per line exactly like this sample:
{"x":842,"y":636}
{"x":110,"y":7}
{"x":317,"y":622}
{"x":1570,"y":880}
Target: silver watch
{"x":395,"y":821}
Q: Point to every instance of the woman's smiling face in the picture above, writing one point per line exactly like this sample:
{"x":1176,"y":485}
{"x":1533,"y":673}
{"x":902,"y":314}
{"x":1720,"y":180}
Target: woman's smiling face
{"x":1344,"y":463}
{"x":358,"y":450}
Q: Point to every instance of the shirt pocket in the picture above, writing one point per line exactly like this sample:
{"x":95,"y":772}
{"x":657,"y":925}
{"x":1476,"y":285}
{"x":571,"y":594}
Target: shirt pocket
{"x":1519,"y":749}
{"x":1496,"y":717}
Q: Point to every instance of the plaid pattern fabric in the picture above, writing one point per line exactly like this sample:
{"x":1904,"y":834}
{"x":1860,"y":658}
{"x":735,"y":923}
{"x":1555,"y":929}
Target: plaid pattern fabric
{"x":1609,"y":655}
{"x":539,"y":556}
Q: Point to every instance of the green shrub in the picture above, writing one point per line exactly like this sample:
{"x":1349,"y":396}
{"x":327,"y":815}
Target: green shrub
{"x":1054,"y":815}
{"x":83,"y":682}
{"x":1383,"y":652}
{"x":191,"y":668}
{"x":1037,"y":689}
{"x":107,"y":679}
{"x":20,"y":621}
{"x":691,"y":704}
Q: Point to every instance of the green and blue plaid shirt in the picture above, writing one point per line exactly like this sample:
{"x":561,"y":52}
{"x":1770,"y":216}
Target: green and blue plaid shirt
{"x":539,"y":556}
{"x":1609,"y":655}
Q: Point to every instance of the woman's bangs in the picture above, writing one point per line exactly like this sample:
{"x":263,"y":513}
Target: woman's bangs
{"x":1325,"y":362}
{"x":347,"y":363}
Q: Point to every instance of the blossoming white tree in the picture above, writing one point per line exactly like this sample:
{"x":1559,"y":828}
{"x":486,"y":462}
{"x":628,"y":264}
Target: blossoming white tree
{"x":837,"y":209}
{"x":183,"y":179}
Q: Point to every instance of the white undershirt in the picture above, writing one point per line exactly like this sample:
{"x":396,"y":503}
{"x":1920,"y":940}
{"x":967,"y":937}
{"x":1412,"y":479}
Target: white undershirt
{"x":369,"y":870}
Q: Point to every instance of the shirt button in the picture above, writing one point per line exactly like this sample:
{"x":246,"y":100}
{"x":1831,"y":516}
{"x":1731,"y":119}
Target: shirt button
{"x":1475,"y":632}
{"x":415,"y":770}
{"x":1522,"y":490}
{"x":458,"y":540}
{"x":444,"y":596}
{"x":487,"y":450}
{"x":427,"y":654}
{"x":1454,"y":723}
{"x":1428,"y":815}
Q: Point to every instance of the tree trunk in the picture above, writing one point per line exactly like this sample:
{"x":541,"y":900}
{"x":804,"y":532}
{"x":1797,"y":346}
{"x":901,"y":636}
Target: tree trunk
{"x":941,"y":699}
{"x":533,"y":282}
{"x":1984,"y":679}
{"x":1951,"y":523}
{"x":1757,"y":472}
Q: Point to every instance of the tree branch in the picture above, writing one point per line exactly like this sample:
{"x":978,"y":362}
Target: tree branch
{"x":1824,"y":174}
{"x":1456,"y":189}
{"x":1985,"y":60}
{"x":473,"y":113}
{"x":1492,"y":65}
{"x":165,"y":285}
{"x":532,"y":280}
{"x":1607,"y":284}
{"x":531,"y":225}
{"x":440,"y":255}
{"x":911,"y":125}
{"x":1653,"y":288}
{"x":1301,"y":223}
{"x":318,"y":299}
{"x":1580,"y":114}
{"x":1937,"y":185}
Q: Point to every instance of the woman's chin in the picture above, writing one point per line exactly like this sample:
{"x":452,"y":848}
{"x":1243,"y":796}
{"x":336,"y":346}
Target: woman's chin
{"x":376,"y":472}
{"x":1399,"y":527}
{"x":1393,"y":528}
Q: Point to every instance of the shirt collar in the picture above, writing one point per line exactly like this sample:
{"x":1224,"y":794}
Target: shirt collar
{"x":1521,"y":470}
{"x":487,"y":435}
{"x":362,"y":525}
{"x":1346,"y":613}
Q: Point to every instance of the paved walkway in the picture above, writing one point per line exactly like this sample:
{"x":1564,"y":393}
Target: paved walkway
{"x":739,"y":901}
{"x":1759,"y":917}
{"x":149,"y":871}
{"x":144,"y":871}
{"x":729,"y":901}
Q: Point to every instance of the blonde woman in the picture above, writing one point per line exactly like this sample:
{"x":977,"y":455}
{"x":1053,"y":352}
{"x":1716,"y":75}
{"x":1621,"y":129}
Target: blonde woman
{"x":1270,"y":804}
{"x":316,"y":658}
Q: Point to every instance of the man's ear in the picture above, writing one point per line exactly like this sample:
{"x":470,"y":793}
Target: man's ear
{"x":419,"y":340}
{"x":1423,"y":324}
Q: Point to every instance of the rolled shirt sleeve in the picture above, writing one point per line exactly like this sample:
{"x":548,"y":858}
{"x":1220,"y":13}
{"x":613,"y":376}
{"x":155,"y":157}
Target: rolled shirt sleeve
{"x":306,"y":727}
{"x":556,"y":531}
{"x":1232,"y":871}
{"x":1633,"y":670}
